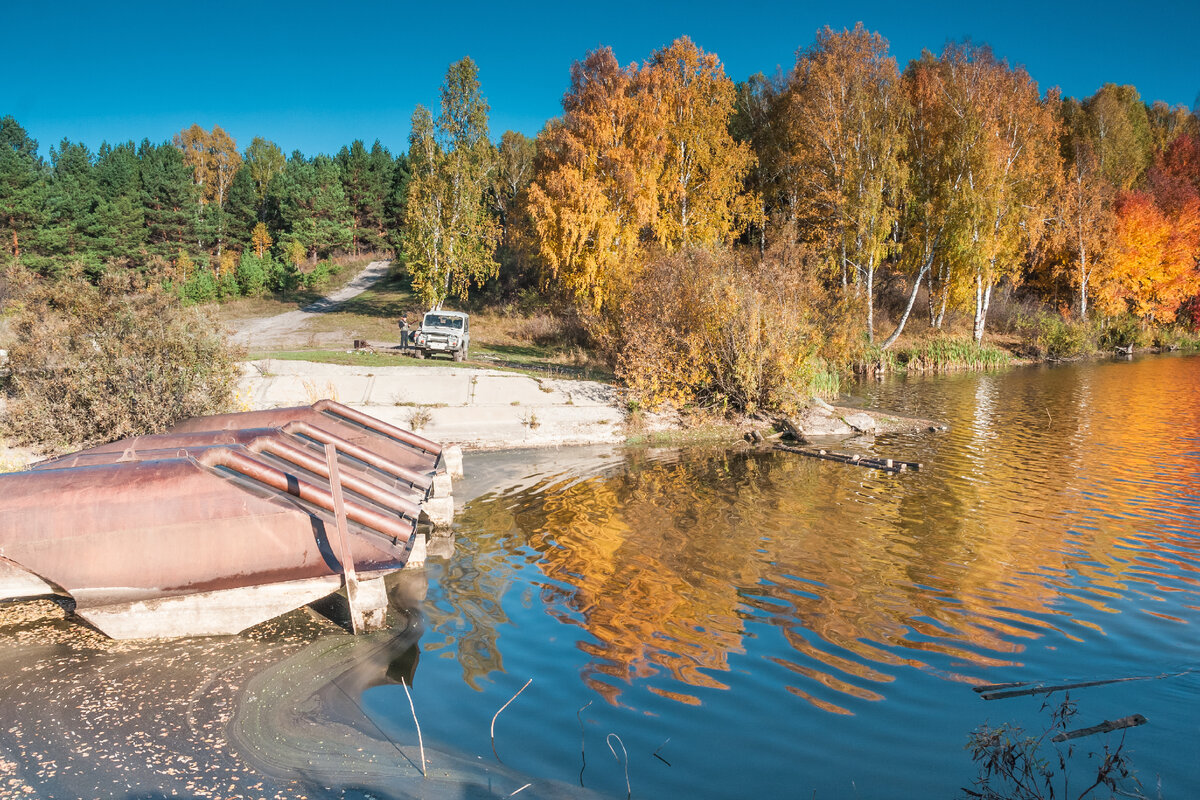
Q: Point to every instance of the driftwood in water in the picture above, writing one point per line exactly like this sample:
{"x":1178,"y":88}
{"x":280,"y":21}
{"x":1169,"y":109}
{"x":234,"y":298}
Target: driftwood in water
{"x":886,"y":464}
{"x":793,"y":429}
{"x":1132,"y":721}
{"x":1002,"y":691}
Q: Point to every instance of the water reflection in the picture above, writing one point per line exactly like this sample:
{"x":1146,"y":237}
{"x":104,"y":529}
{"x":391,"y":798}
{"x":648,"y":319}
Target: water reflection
{"x":1058,"y":500}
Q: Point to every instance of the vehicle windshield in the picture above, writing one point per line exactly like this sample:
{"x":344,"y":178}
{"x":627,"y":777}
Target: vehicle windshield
{"x":442,"y":321}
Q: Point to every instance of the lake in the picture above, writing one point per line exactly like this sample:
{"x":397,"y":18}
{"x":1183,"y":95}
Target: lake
{"x":758,"y":624}
{"x":704,"y":622}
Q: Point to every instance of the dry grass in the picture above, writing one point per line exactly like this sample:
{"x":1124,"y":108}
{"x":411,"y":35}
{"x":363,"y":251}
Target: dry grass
{"x":93,"y":364}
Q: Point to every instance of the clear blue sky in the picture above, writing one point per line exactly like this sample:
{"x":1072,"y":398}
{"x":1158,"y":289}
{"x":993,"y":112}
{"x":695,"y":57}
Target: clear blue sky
{"x":314,"y":76}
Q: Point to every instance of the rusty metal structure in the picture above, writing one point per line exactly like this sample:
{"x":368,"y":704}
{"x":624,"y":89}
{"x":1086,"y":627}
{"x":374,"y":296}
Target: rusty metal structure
{"x":221,"y":522}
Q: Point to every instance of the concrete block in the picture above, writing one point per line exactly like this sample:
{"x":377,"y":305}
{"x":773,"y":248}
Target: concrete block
{"x":440,"y":546}
{"x":416,"y":556}
{"x":371,"y":600}
{"x":452,"y":457}
{"x":443,"y":486}
{"x":439,"y":511}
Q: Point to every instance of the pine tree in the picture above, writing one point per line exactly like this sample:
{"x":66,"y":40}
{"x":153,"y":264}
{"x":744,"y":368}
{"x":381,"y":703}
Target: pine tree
{"x":169,"y":198}
{"x":22,"y":188}
{"x":121,"y":220}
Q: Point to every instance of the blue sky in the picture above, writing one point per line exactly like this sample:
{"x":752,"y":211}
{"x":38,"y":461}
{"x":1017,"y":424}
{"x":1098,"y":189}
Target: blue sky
{"x":314,"y":76}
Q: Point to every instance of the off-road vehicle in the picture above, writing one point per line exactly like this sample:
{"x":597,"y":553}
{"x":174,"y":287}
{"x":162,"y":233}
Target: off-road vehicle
{"x":443,"y":332}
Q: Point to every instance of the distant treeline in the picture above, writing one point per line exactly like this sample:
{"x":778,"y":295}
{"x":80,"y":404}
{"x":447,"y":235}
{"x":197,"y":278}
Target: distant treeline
{"x":862,"y":186}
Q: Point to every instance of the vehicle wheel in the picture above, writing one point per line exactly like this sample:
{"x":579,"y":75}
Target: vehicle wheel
{"x":419,"y":354}
{"x":460,"y":355}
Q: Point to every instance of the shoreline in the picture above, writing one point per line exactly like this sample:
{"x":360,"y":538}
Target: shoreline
{"x":482,"y":409}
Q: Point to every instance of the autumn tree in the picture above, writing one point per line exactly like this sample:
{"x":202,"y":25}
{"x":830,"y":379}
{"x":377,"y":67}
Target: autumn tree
{"x":448,"y":235}
{"x":1168,"y":122}
{"x":213,"y":157}
{"x":1152,"y":259}
{"x":514,"y":170}
{"x":1083,"y":208}
{"x":702,"y":199}
{"x":516,"y":250}
{"x":596,"y":183}
{"x":1017,"y":174}
{"x":986,"y":163}
{"x":936,"y":169}
{"x":847,"y":117}
{"x":260,"y":239}
{"x":1121,"y":128}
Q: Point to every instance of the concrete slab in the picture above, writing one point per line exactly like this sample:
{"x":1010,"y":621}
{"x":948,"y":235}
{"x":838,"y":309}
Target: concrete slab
{"x":217,"y":613}
{"x":476,"y":408}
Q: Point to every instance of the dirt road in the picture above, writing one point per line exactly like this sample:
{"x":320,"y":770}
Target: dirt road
{"x":263,"y":331}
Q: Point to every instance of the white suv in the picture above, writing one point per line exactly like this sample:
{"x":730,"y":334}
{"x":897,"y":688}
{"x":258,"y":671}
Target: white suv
{"x":447,"y":332}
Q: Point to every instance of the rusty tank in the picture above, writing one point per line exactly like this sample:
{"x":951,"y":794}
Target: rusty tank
{"x":220,"y":523}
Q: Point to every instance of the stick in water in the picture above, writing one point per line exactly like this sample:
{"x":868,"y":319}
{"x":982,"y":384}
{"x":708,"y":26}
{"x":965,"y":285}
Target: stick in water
{"x":608,"y":740}
{"x":420,"y":741}
{"x":514,"y":697}
{"x":582,"y":753}
{"x":660,"y":747}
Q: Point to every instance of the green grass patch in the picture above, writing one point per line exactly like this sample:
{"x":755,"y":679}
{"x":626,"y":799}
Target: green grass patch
{"x":943,"y":354}
{"x":348,"y":359}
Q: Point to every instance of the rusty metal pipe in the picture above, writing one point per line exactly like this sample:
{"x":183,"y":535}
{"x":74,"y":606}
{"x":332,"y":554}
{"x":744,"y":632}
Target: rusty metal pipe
{"x":367,"y":421}
{"x":355,"y":484}
{"x":417,"y":480}
{"x":278,"y":479}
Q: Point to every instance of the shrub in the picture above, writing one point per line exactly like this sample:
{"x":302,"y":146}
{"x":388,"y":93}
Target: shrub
{"x":320,"y":275}
{"x":1055,"y":337}
{"x":91,"y":364}
{"x":1122,"y":331}
{"x":252,"y":274}
{"x":201,"y":287}
{"x":282,"y":276}
{"x":701,"y":327}
{"x":227,"y":286}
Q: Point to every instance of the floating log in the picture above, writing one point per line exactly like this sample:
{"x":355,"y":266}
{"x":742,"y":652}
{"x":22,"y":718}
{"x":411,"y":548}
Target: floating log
{"x":1108,"y":726}
{"x":892,"y":465}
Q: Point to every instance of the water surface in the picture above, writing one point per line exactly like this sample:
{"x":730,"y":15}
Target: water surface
{"x":757,"y":624}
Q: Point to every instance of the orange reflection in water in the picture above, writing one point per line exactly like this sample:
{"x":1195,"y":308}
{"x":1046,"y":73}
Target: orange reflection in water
{"x":1054,"y":496}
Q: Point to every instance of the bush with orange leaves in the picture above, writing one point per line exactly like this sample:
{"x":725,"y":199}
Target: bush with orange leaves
{"x":720,"y":330}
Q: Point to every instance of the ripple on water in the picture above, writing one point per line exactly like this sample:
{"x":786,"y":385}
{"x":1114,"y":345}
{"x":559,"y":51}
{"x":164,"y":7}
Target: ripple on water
{"x":764,"y":598}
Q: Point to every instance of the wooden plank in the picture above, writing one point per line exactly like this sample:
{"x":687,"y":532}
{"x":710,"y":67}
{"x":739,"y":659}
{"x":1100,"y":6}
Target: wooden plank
{"x":1108,"y":726}
{"x":345,"y":555}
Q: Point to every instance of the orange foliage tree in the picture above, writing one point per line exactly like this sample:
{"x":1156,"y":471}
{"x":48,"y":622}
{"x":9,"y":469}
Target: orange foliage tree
{"x":595,"y":185}
{"x":1151,"y":263}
